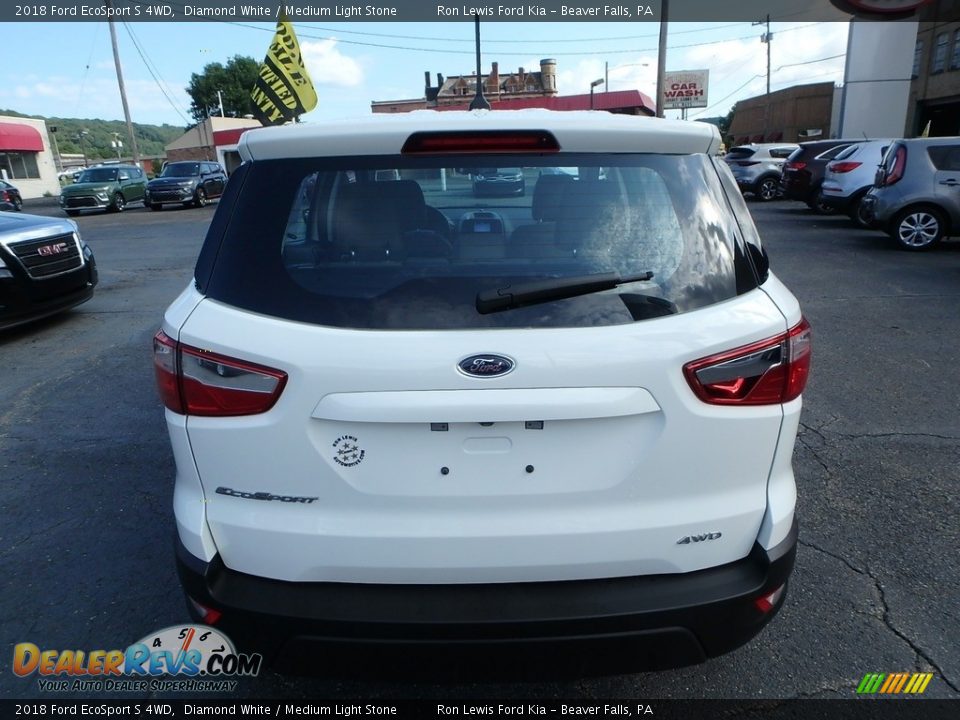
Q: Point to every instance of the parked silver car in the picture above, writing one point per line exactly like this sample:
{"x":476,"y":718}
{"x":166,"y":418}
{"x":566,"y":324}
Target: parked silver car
{"x":758,"y":167}
{"x":850,"y":175}
{"x":916,"y":192}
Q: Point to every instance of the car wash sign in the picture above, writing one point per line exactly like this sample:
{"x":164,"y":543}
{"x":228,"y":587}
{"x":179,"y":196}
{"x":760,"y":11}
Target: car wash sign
{"x":685,"y":89}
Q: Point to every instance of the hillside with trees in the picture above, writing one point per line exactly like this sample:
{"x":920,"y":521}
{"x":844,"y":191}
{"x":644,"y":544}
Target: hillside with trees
{"x":151,"y":139}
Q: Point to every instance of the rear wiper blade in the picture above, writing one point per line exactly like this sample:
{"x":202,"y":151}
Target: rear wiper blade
{"x":542,"y":291}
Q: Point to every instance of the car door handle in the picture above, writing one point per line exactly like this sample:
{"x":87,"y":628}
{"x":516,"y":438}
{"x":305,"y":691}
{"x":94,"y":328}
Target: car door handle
{"x":951,"y":182}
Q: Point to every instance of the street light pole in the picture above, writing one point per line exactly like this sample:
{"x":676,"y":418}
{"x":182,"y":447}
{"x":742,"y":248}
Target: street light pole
{"x":117,"y":144}
{"x":83,"y":147}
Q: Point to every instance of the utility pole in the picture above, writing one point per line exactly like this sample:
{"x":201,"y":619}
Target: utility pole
{"x":662,"y":56}
{"x":767,"y":37}
{"x":123,"y":91}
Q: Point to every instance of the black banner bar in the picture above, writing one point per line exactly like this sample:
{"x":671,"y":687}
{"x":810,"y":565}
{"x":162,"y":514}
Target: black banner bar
{"x":176,"y":709}
{"x":323,"y":11}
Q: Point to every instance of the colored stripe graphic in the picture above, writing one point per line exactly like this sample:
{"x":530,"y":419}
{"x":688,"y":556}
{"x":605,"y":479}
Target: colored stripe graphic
{"x":894,"y":683}
{"x":870,"y":683}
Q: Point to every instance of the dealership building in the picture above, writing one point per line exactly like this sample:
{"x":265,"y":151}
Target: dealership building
{"x":26,"y":159}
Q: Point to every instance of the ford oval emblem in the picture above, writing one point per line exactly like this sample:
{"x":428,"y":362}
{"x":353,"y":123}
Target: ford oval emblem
{"x":486,"y":365}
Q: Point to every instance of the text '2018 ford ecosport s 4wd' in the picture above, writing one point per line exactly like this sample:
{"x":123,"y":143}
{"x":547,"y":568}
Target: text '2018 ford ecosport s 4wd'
{"x":551,"y":426}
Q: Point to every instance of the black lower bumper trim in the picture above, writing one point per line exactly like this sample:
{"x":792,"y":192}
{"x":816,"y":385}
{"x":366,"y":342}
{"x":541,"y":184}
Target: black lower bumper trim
{"x":585,"y":626}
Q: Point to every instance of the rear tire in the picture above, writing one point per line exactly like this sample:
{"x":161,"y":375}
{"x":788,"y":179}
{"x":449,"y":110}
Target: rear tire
{"x":767,"y":189}
{"x":817,"y":204}
{"x":858,"y":214}
{"x":17,"y":204}
{"x":119,"y":203}
{"x":918,"y":228}
{"x":155,"y":206}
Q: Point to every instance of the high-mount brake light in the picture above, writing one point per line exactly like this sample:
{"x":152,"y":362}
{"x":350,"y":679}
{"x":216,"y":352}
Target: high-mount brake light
{"x":480,"y":141}
{"x":197,"y":382}
{"x":768,"y":372}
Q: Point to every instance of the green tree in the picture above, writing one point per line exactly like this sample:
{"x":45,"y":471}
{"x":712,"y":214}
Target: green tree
{"x":234,"y":80}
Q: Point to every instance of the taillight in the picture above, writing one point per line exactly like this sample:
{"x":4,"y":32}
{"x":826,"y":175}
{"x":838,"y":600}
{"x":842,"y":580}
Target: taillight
{"x":197,"y":382}
{"x":165,"y":369}
{"x":843,"y":167}
{"x":899,"y":163}
{"x":795,"y":165}
{"x":768,"y":372}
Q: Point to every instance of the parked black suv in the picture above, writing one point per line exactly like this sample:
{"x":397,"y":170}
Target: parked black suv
{"x":186,"y":183}
{"x":804,"y":169}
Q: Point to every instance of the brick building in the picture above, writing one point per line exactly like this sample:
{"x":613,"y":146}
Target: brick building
{"x":214,"y":139}
{"x":794,"y":114}
{"x":935,"y":87}
{"x":516,"y":91}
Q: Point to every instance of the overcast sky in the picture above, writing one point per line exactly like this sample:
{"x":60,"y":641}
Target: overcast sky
{"x":67,"y":70}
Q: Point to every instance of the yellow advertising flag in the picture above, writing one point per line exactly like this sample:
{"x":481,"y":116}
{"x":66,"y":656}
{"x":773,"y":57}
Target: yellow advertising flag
{"x":284,"y":89}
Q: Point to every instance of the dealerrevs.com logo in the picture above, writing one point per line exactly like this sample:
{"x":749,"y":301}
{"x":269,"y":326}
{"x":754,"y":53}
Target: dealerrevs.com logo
{"x":188,"y":658}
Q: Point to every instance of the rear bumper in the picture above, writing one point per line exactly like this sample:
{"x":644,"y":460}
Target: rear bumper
{"x":584,"y":627}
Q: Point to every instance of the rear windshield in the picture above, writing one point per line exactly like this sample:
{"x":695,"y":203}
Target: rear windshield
{"x":183,"y":169}
{"x":740,"y":153}
{"x":408,"y":243}
{"x":98,"y":175}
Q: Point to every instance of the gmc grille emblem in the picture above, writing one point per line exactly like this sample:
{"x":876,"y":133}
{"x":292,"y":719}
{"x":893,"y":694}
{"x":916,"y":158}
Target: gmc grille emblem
{"x":47,"y":250}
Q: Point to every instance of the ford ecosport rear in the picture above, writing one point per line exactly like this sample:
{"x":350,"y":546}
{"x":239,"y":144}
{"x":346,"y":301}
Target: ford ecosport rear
{"x":554,"y":425}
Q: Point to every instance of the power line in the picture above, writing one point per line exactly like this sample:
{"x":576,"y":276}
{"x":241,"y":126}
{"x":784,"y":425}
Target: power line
{"x":147,"y":63}
{"x":807,"y":62}
{"x":409,"y":48}
{"x":505,"y":42}
{"x":811,"y":62}
{"x":727,"y":96}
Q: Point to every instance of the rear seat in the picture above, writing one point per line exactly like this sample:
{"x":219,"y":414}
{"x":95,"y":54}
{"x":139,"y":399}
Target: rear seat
{"x":538,"y":240}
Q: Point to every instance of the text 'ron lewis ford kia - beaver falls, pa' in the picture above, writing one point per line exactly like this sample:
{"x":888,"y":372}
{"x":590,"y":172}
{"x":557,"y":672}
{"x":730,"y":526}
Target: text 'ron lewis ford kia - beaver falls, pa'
{"x":424,"y":426}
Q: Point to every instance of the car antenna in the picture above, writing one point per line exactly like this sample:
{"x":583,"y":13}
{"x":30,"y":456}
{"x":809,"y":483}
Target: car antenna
{"x":479,"y":102}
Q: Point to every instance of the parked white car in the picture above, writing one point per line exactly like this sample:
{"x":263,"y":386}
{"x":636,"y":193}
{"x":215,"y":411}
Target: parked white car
{"x":848,"y":178}
{"x":405,"y":423}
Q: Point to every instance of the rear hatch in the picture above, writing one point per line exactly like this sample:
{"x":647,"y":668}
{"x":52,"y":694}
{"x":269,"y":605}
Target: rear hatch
{"x":414,"y":439}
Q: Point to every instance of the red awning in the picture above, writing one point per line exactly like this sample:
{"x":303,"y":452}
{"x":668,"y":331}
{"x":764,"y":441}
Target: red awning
{"x":14,"y":136}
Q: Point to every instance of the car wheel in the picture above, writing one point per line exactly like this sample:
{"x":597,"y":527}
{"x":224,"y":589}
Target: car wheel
{"x":155,"y":206}
{"x":72,"y":213}
{"x":918,"y":228}
{"x":859,"y":214}
{"x":767,"y":189}
{"x":119,"y":203}
{"x":817,"y":204}
{"x":17,"y":204}
{"x":200,"y":199}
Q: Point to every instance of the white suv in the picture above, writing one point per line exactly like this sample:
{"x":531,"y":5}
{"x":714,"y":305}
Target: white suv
{"x":528,"y":427}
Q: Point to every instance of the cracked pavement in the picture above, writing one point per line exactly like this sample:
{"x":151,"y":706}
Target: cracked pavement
{"x":86,"y":475}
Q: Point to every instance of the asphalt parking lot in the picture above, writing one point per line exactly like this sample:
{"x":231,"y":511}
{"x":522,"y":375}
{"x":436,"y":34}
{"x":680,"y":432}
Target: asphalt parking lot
{"x":86,"y":474}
